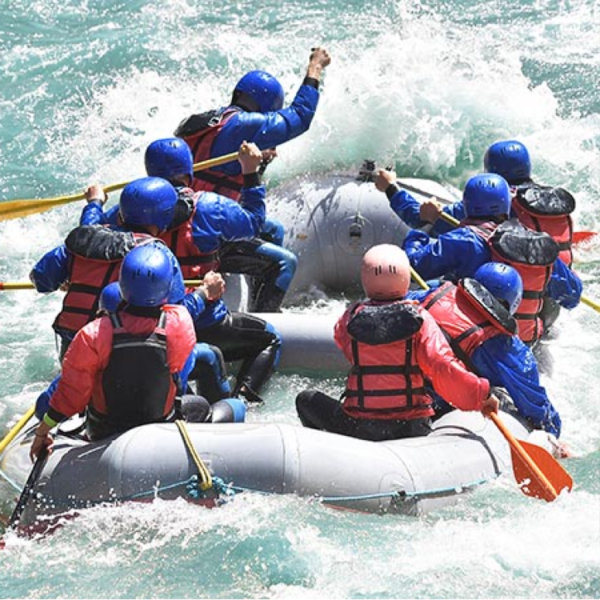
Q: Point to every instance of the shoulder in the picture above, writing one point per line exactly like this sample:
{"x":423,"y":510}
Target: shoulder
{"x":179,"y":314}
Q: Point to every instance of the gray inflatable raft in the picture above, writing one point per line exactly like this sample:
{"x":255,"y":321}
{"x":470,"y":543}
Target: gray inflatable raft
{"x":409,"y":476}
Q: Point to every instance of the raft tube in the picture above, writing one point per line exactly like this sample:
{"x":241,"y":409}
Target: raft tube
{"x":332,"y":220}
{"x":407,"y":476}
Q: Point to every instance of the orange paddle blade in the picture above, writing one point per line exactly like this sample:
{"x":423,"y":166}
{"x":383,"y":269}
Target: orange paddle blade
{"x":537,"y":472}
{"x":583,"y":236}
{"x":552,"y":471}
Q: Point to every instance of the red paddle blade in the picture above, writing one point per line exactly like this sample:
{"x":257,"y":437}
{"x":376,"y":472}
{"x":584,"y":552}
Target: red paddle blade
{"x":533,"y":485}
{"x":583,"y":236}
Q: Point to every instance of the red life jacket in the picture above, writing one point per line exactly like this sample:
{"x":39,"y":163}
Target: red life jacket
{"x":385,"y":381}
{"x":199,"y":132}
{"x":469,"y":316}
{"x":532,"y":254}
{"x":179,"y":238}
{"x":547,"y":209}
{"x":96,"y":253}
{"x":137,"y":385}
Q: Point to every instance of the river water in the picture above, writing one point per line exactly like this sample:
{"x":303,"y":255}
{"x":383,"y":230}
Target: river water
{"x":424,"y":86}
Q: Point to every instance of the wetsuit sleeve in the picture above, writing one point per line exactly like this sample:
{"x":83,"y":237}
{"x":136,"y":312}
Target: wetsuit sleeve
{"x":455,"y":254}
{"x":507,"y":362}
{"x":85,"y":359}
{"x":219,"y":219}
{"x":406,"y":207}
{"x":455,"y":210}
{"x":195,"y":303}
{"x":448,"y":375}
{"x":267,"y":130}
{"x":341,"y":335}
{"x":564,"y":286}
{"x":178,"y":289}
{"x":51,"y":271}
{"x":420,"y":295}
{"x":181,"y":336}
{"x":93,"y":214}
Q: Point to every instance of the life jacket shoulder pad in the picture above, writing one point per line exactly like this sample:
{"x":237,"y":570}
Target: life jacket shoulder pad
{"x":100,"y":242}
{"x":385,"y":323}
{"x":197,"y":122}
{"x":484,"y":301}
{"x":518,"y":244}
{"x":546,"y":201}
{"x":184,"y":208}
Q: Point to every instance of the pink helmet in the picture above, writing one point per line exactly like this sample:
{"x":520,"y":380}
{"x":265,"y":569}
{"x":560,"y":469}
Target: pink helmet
{"x":385,"y":272}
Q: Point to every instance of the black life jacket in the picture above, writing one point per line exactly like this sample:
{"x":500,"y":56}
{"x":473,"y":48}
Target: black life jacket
{"x":137,"y":382}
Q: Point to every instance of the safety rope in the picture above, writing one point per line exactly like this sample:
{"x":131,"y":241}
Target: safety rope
{"x":205,"y":476}
{"x":402,"y":495}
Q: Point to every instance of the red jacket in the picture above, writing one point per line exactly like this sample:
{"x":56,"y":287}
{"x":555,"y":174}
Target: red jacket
{"x":432,"y":355}
{"x":89,"y":354}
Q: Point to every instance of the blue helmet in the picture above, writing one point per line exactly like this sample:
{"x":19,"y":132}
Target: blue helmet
{"x":169,"y":158}
{"x":148,"y":201}
{"x":503,"y":282}
{"x":110,"y":297}
{"x":486,"y":195}
{"x":510,"y":159}
{"x":264,"y":91}
{"x":146,"y":275}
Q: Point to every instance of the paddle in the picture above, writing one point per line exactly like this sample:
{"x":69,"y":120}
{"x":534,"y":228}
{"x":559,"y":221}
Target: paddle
{"x":27,"y":285}
{"x":536,"y":471}
{"x":583,"y":236}
{"x":14,"y":209}
{"x":10,"y":436}
{"x":27,"y":492}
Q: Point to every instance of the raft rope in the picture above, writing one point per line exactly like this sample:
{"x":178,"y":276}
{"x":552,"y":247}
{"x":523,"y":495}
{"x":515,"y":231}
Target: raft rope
{"x":196,"y":488}
{"x":197,"y":485}
{"x":205,"y":476}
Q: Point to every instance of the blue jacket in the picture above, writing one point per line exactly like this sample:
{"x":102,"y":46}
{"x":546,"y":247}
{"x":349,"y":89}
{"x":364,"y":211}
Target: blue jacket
{"x":266,"y":130}
{"x":408,"y":208}
{"x":505,"y":361}
{"x":217,"y":219}
{"x":460,"y":252}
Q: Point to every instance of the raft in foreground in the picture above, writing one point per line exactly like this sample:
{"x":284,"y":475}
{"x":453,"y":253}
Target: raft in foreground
{"x":408,"y":476}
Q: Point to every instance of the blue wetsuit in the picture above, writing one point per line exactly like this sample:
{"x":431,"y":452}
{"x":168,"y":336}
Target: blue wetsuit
{"x":505,"y":361}
{"x":267,"y":130}
{"x":460,"y":252}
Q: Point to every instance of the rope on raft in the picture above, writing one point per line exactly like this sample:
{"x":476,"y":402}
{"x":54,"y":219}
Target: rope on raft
{"x":205,"y":485}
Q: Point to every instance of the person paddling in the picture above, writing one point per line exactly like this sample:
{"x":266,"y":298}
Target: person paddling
{"x":476,"y":316}
{"x":121,"y":369}
{"x":393,"y":346}
{"x":486,"y":233}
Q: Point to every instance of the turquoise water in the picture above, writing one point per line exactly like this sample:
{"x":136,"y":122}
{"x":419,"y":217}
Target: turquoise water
{"x":425,"y":86}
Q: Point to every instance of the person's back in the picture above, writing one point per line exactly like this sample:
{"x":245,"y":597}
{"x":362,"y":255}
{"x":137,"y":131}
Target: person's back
{"x":538,"y":207}
{"x":90,"y":259}
{"x":476,"y":316}
{"x":121,"y":369}
{"x":256,"y":114}
{"x":484,"y":235}
{"x":393,"y":346}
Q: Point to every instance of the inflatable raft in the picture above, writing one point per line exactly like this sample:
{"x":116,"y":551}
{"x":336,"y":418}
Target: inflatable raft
{"x":408,"y":477}
{"x":330,"y":223}
{"x":332,"y":220}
